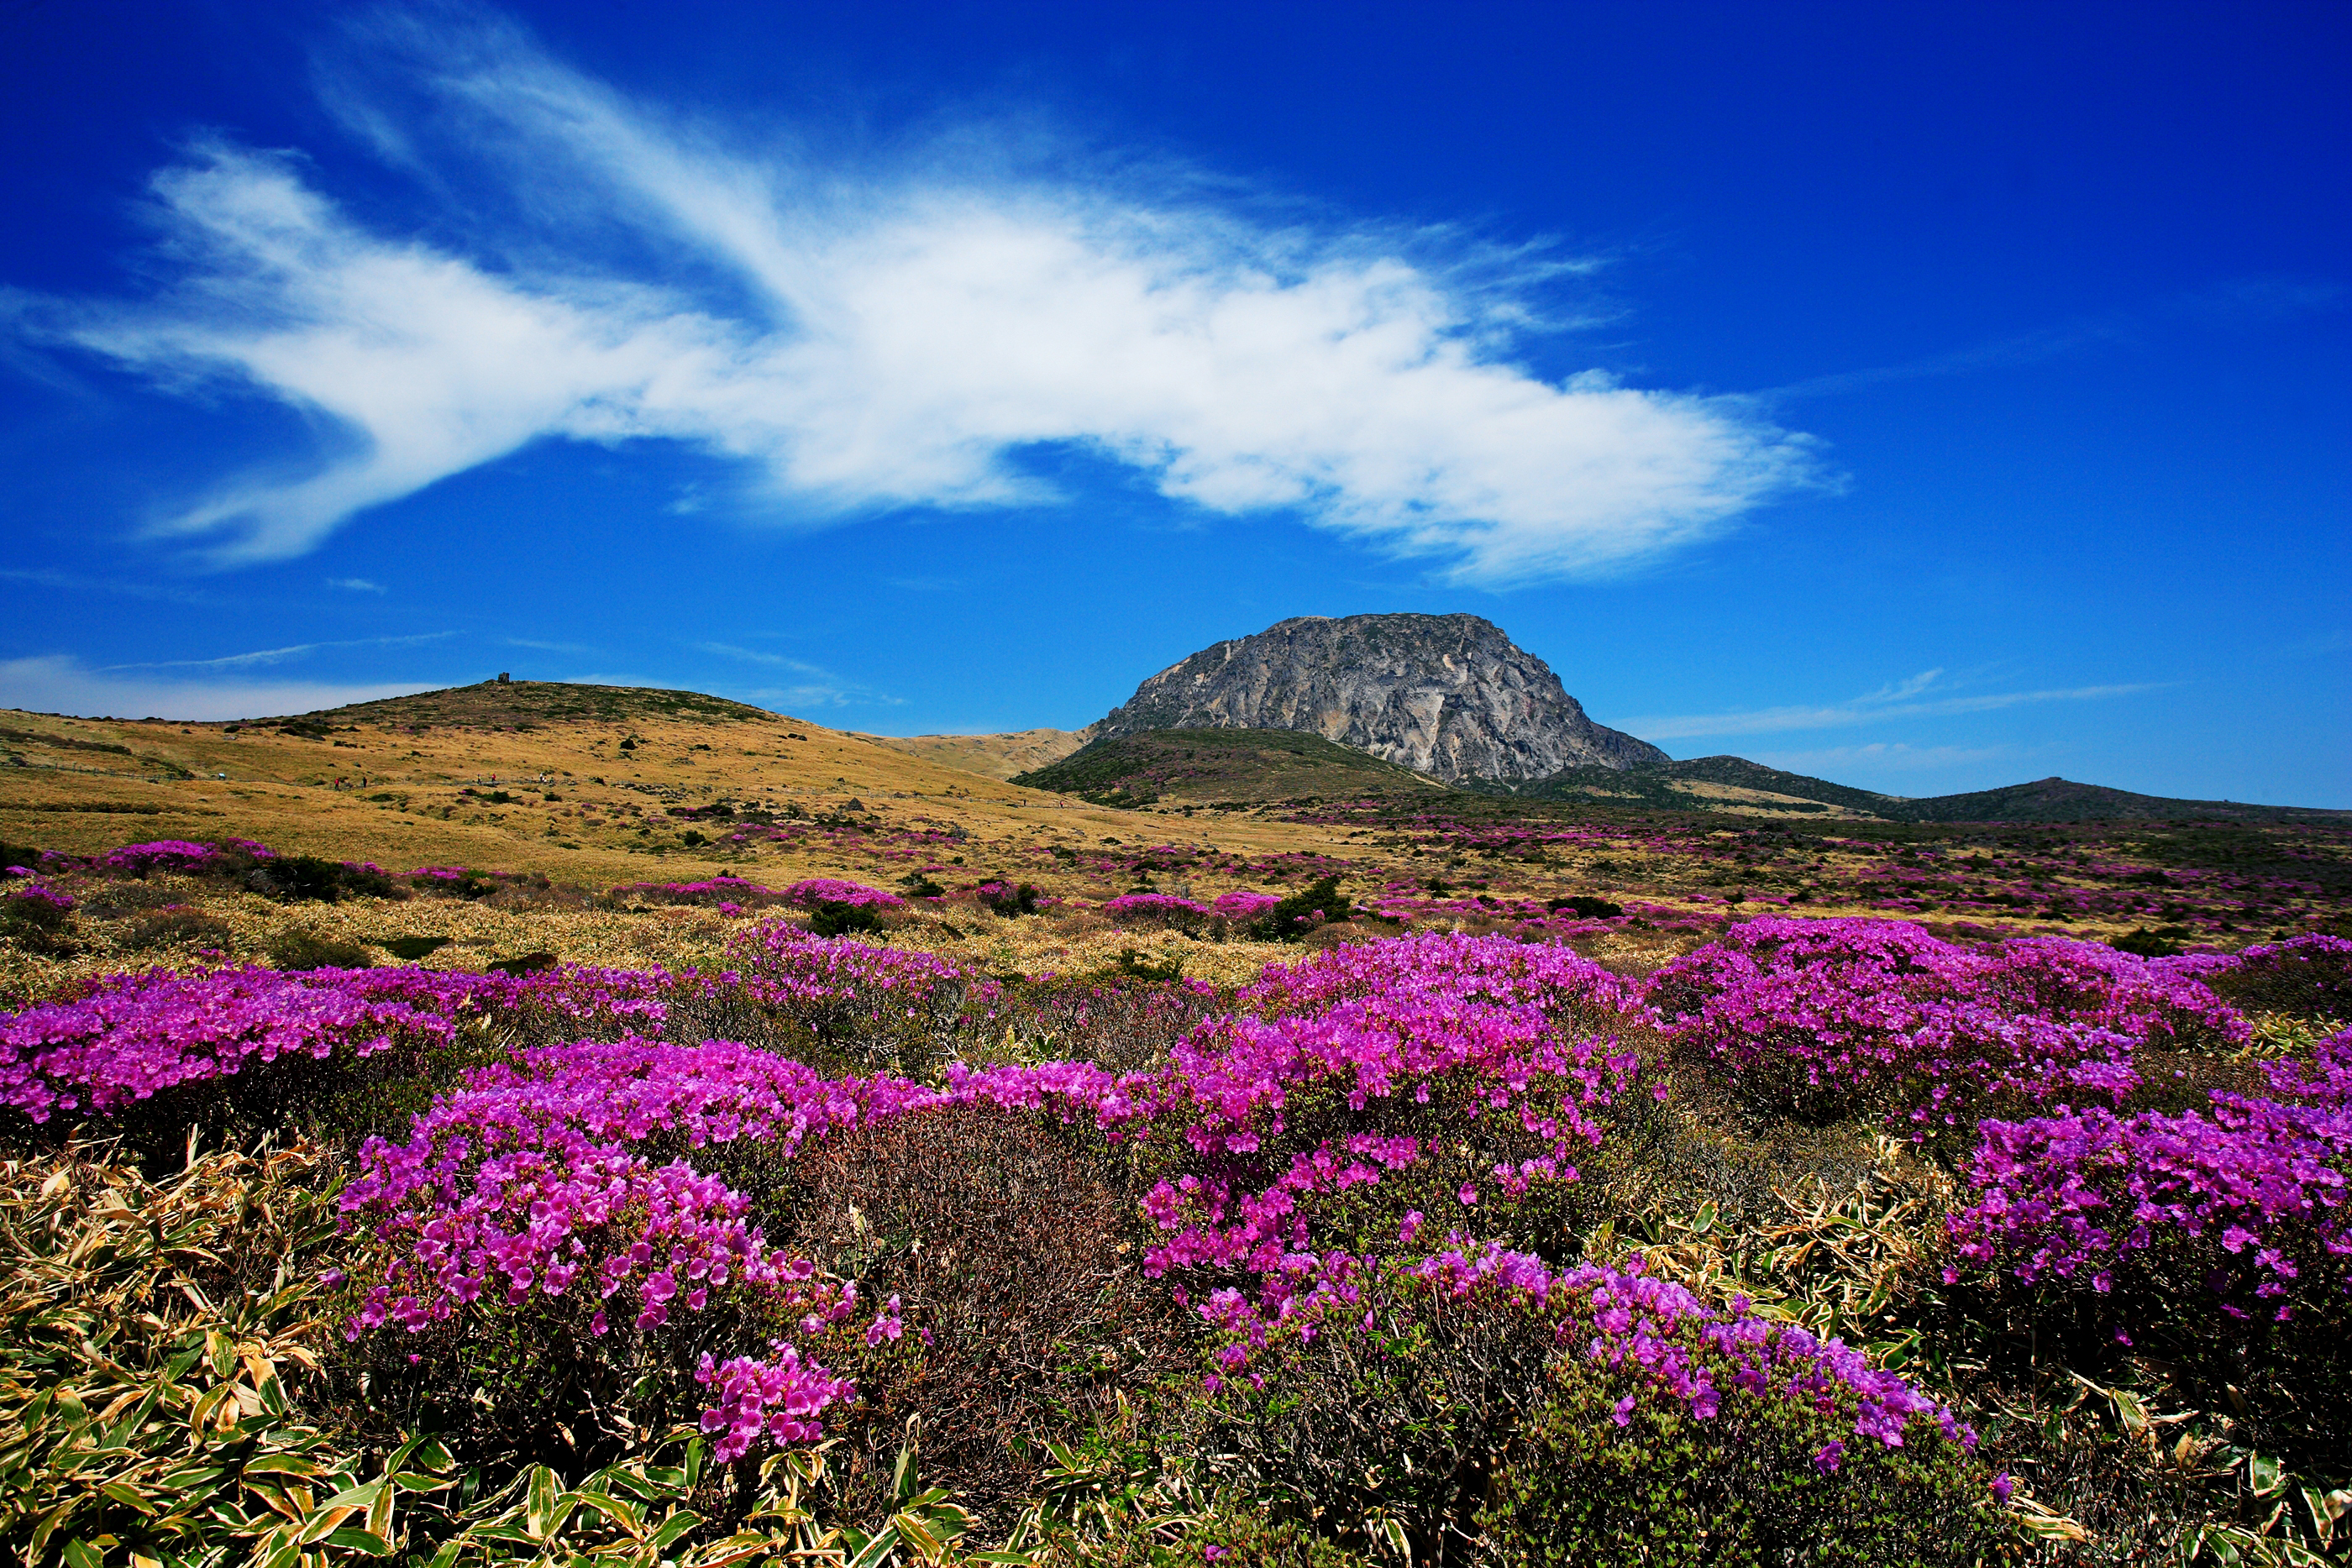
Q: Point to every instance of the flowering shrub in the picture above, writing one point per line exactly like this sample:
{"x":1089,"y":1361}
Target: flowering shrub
{"x":521,"y":1194}
{"x":1831,"y":1017}
{"x":1242,"y":904}
{"x":2309,"y":975}
{"x":2134,"y":1230}
{"x":164,"y":855}
{"x":1495,"y":969}
{"x":726,"y":892}
{"x":876,"y":1004}
{"x":1791,"y":1451}
{"x":35,"y":914}
{"x":1147,"y":910}
{"x":816,"y":893}
{"x":2258,"y":1186}
{"x":138,"y":1036}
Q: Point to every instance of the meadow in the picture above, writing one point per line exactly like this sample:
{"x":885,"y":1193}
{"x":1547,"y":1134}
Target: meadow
{"x":914,"y":1168}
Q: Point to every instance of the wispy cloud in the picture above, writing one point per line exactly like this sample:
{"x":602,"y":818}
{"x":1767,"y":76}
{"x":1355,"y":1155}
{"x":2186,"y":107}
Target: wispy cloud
{"x":61,"y":684}
{"x":2236,"y":302}
{"x":1916,"y":697}
{"x":547,"y":647}
{"x":869,"y":333}
{"x":355,"y":584}
{"x":279,"y":656}
{"x":1881,"y":756}
{"x":69,"y":583}
{"x":822,"y":687}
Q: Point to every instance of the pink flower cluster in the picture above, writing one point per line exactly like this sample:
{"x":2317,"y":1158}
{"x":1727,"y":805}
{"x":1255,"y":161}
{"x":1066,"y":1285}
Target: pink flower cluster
{"x":138,"y":1035}
{"x":822,"y":890}
{"x":1826,"y":1017}
{"x":778,"y":1399}
{"x":524,"y":1182}
{"x":1678,"y":1345}
{"x":163,"y":854}
{"x":135,"y":1036}
{"x":838,"y":987}
{"x":1156,"y":909}
{"x":2255,"y":1187}
{"x":1502,"y":1073}
{"x":727,"y":892}
{"x":43,"y":901}
{"x":1443,"y":965}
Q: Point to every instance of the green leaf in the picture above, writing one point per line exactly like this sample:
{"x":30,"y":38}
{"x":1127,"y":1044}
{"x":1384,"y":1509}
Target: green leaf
{"x":619,"y":1510}
{"x":539,"y":1514}
{"x":127,"y":1496}
{"x":676,"y":1525}
{"x":374,"y":1545}
{"x":282,"y":1465}
{"x":81,"y":1554}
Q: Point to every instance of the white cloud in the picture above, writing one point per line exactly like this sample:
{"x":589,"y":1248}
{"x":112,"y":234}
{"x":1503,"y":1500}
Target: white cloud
{"x":355,"y":584}
{"x":870,"y":337}
{"x":1910,"y":698}
{"x":819,"y":688}
{"x":279,"y":656}
{"x":59,"y":683}
{"x":1881,"y":756}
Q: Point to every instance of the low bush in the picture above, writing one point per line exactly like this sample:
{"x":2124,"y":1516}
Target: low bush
{"x":295,"y":948}
{"x":1009,"y":1243}
{"x":1773,"y":1477}
{"x":1290,"y":918}
{"x":175,"y":926}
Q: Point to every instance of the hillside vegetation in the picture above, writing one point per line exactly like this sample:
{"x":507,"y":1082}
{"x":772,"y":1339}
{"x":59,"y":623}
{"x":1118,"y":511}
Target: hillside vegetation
{"x":1203,"y":766}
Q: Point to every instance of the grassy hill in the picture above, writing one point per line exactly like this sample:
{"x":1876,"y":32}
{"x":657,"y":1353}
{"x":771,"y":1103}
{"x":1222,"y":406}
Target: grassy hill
{"x":996,"y":757}
{"x":504,"y":705}
{"x":1222,"y":766}
{"x":1725,"y":784}
{"x":2063,"y":800}
{"x":591,"y":786}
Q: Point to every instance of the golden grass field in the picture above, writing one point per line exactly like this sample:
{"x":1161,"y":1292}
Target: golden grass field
{"x":590,"y":788}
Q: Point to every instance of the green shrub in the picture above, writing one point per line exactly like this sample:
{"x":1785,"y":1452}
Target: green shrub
{"x":298,"y":949}
{"x":840,"y":919}
{"x":1745,"y":1487}
{"x":299,"y":879}
{"x":1296,"y":916}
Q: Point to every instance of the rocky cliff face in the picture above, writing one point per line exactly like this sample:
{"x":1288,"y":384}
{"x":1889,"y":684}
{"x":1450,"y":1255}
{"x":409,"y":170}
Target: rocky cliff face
{"x":1445,"y":694}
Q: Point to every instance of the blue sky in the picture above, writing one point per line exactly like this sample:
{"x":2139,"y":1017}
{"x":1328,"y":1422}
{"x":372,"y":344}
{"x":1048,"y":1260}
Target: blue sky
{"x":1928,"y":398}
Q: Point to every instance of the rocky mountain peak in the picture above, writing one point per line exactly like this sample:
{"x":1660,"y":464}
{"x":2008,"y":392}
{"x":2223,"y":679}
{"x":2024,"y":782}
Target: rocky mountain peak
{"x":1449,"y":696}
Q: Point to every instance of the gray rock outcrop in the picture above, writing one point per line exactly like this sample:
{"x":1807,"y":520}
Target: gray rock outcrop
{"x":1445,"y":694}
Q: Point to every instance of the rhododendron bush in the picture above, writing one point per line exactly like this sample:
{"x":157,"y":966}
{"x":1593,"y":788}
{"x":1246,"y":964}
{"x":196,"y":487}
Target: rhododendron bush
{"x":1830,"y":1017}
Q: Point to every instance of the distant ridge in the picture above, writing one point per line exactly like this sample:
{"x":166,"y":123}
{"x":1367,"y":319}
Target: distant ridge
{"x":1736,"y":784}
{"x":505,"y":703}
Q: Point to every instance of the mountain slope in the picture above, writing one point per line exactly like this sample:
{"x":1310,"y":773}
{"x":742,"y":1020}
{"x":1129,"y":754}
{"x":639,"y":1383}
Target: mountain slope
{"x":998,"y":757}
{"x":1447,"y":695}
{"x":1222,"y":766}
{"x":2063,"y":800}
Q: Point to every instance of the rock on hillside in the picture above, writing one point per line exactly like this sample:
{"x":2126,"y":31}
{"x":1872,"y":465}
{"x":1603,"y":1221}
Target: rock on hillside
{"x":1443,"y":695}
